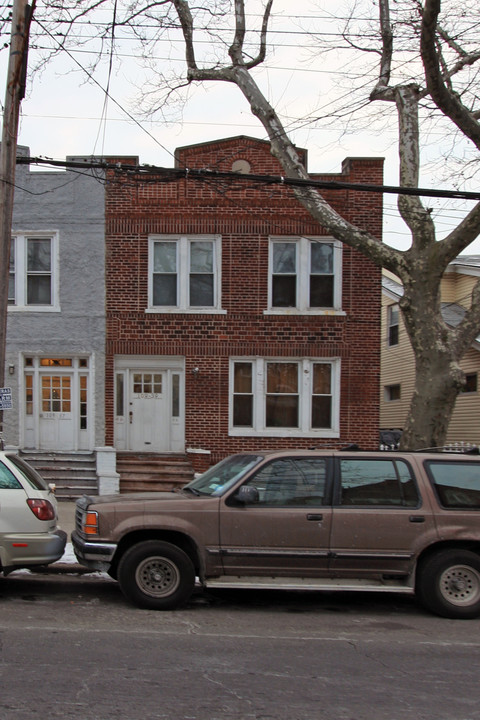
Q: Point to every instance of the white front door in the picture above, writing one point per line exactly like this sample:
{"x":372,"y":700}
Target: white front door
{"x":56,"y":423}
{"x":149,"y":406}
{"x":57,"y":403}
{"x":148,"y":412}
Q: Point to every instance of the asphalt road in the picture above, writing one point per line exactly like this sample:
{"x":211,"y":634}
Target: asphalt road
{"x":71,"y":647}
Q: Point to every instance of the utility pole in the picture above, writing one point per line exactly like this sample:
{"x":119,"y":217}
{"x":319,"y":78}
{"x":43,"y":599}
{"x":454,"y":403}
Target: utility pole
{"x":14,"y":93}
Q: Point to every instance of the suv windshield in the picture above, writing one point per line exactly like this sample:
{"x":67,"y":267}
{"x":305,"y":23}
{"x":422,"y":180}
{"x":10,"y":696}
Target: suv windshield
{"x":223,"y":475}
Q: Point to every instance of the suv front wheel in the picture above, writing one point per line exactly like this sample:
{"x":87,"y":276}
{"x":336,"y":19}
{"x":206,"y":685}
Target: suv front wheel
{"x":448,"y":584}
{"x":156,"y":575}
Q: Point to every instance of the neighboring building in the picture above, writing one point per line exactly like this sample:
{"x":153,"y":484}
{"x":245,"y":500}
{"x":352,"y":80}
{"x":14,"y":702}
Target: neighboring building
{"x":55,"y":356}
{"x":234,"y":321}
{"x":398,"y":362}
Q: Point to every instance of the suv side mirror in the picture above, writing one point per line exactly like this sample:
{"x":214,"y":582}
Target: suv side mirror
{"x":247,"y":495}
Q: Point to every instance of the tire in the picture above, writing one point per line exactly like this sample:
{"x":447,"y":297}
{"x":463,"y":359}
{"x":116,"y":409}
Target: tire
{"x":156,"y":575}
{"x":448,"y":584}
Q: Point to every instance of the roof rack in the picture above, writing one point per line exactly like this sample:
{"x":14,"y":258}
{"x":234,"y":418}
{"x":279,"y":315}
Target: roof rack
{"x":453,"y":448}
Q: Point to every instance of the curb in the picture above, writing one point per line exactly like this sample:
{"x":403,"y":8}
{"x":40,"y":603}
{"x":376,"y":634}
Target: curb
{"x":60,"y":568}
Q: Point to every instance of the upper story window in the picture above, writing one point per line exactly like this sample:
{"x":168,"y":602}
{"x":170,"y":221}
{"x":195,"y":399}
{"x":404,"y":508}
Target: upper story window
{"x":470,"y":383}
{"x":393,"y":324}
{"x":305,"y":275}
{"x":33,"y":269}
{"x":184,"y":273}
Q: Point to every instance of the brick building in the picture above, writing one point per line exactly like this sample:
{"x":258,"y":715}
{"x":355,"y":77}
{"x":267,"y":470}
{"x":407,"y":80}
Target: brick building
{"x":234,"y":321}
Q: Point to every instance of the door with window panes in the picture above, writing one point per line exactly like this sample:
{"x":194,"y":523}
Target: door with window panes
{"x":149,"y":404}
{"x":56,"y":403}
{"x":153,"y":410}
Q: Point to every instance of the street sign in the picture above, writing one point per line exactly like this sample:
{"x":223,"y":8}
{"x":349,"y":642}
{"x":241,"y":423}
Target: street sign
{"x":6,"y":398}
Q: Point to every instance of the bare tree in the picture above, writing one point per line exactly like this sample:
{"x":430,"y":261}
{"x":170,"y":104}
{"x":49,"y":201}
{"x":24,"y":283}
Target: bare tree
{"x":440,"y":74}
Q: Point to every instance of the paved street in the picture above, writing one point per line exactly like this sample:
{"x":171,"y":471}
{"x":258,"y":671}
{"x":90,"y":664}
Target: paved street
{"x":71,"y":647}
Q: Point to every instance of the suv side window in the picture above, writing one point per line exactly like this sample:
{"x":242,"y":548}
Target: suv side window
{"x":366,"y":481}
{"x":457,"y":484}
{"x":291,"y":481}
{"x":8,"y":481}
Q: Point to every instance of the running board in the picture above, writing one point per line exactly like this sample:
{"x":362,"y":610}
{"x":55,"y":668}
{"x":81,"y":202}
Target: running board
{"x":286,"y":583}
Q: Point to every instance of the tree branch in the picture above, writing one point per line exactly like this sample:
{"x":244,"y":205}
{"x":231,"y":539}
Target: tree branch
{"x":382,"y":91}
{"x":186,"y":21}
{"x":467,"y":331}
{"x":411,"y":208}
{"x":461,"y":237}
{"x":448,"y":102}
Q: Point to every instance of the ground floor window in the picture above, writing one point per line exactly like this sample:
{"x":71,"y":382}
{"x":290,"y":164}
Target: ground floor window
{"x":284,"y":397}
{"x":392,"y":392}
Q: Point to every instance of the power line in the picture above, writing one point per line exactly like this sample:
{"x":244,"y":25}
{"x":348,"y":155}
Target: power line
{"x":93,"y":79}
{"x":171,"y":174}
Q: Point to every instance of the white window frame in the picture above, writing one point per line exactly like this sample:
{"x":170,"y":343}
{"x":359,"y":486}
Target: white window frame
{"x":305,"y":395}
{"x":21,"y":244}
{"x":183,"y":274}
{"x":303,"y":256}
{"x":391,"y":309}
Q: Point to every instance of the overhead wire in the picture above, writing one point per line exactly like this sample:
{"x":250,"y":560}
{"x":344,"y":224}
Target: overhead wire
{"x":103,"y":119}
{"x":108,"y":95}
{"x":94,"y":80}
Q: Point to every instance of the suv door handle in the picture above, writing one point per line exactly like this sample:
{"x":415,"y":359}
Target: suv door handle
{"x":314,"y":517}
{"x":417,"y":518}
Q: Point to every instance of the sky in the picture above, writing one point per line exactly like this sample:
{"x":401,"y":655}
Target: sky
{"x":65,"y":113}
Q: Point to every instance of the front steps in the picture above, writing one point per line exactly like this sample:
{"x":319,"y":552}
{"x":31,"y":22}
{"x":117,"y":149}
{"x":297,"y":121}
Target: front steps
{"x":152,"y":472}
{"x":74,"y":474}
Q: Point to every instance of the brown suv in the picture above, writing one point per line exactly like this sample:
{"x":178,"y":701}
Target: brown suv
{"x":316,"y":520}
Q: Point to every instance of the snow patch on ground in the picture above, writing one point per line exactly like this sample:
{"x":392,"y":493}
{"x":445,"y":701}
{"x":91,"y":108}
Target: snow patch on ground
{"x":68,"y":556}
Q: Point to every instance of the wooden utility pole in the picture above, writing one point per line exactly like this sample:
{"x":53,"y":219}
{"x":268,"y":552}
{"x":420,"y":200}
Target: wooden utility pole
{"x":15,"y":91}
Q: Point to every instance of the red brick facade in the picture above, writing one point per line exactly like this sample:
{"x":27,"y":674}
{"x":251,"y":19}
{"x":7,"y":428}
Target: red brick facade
{"x":245,"y":216}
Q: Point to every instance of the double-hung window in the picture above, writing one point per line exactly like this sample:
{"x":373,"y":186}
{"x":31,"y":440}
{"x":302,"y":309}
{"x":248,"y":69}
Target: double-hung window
{"x":33,"y":271}
{"x":393,"y":324}
{"x":305,"y":275}
{"x":284,"y":397}
{"x":184,"y":273}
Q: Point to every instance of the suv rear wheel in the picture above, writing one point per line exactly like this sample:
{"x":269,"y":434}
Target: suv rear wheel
{"x":448,"y":584}
{"x":156,"y":575}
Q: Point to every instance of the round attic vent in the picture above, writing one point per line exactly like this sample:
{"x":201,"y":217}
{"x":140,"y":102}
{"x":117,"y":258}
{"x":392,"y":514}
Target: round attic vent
{"x":241,"y":166}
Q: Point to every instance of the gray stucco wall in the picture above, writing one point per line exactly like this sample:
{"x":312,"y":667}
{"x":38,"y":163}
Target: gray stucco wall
{"x":71,"y":204}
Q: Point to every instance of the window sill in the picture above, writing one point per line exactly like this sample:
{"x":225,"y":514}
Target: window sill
{"x":185,"y":311}
{"x":283,"y":432}
{"x":34,"y":308}
{"x":329,"y":312}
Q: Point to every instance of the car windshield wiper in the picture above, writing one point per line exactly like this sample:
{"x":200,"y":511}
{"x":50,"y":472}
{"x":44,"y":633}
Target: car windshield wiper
{"x":191,"y":490}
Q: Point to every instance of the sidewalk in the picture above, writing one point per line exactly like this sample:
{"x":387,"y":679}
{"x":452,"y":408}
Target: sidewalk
{"x":66,"y":516}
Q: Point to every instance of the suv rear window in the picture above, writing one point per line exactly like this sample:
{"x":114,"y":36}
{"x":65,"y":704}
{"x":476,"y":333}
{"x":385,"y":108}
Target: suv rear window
{"x":29,"y":473}
{"x":8,"y":481}
{"x":457,"y":484}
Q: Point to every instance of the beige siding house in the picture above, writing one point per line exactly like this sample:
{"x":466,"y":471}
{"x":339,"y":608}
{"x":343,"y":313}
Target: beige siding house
{"x":397,"y":360}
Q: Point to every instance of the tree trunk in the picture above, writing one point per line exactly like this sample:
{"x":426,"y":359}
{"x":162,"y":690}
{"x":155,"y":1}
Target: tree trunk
{"x":437,"y":348}
{"x":437,"y":383}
